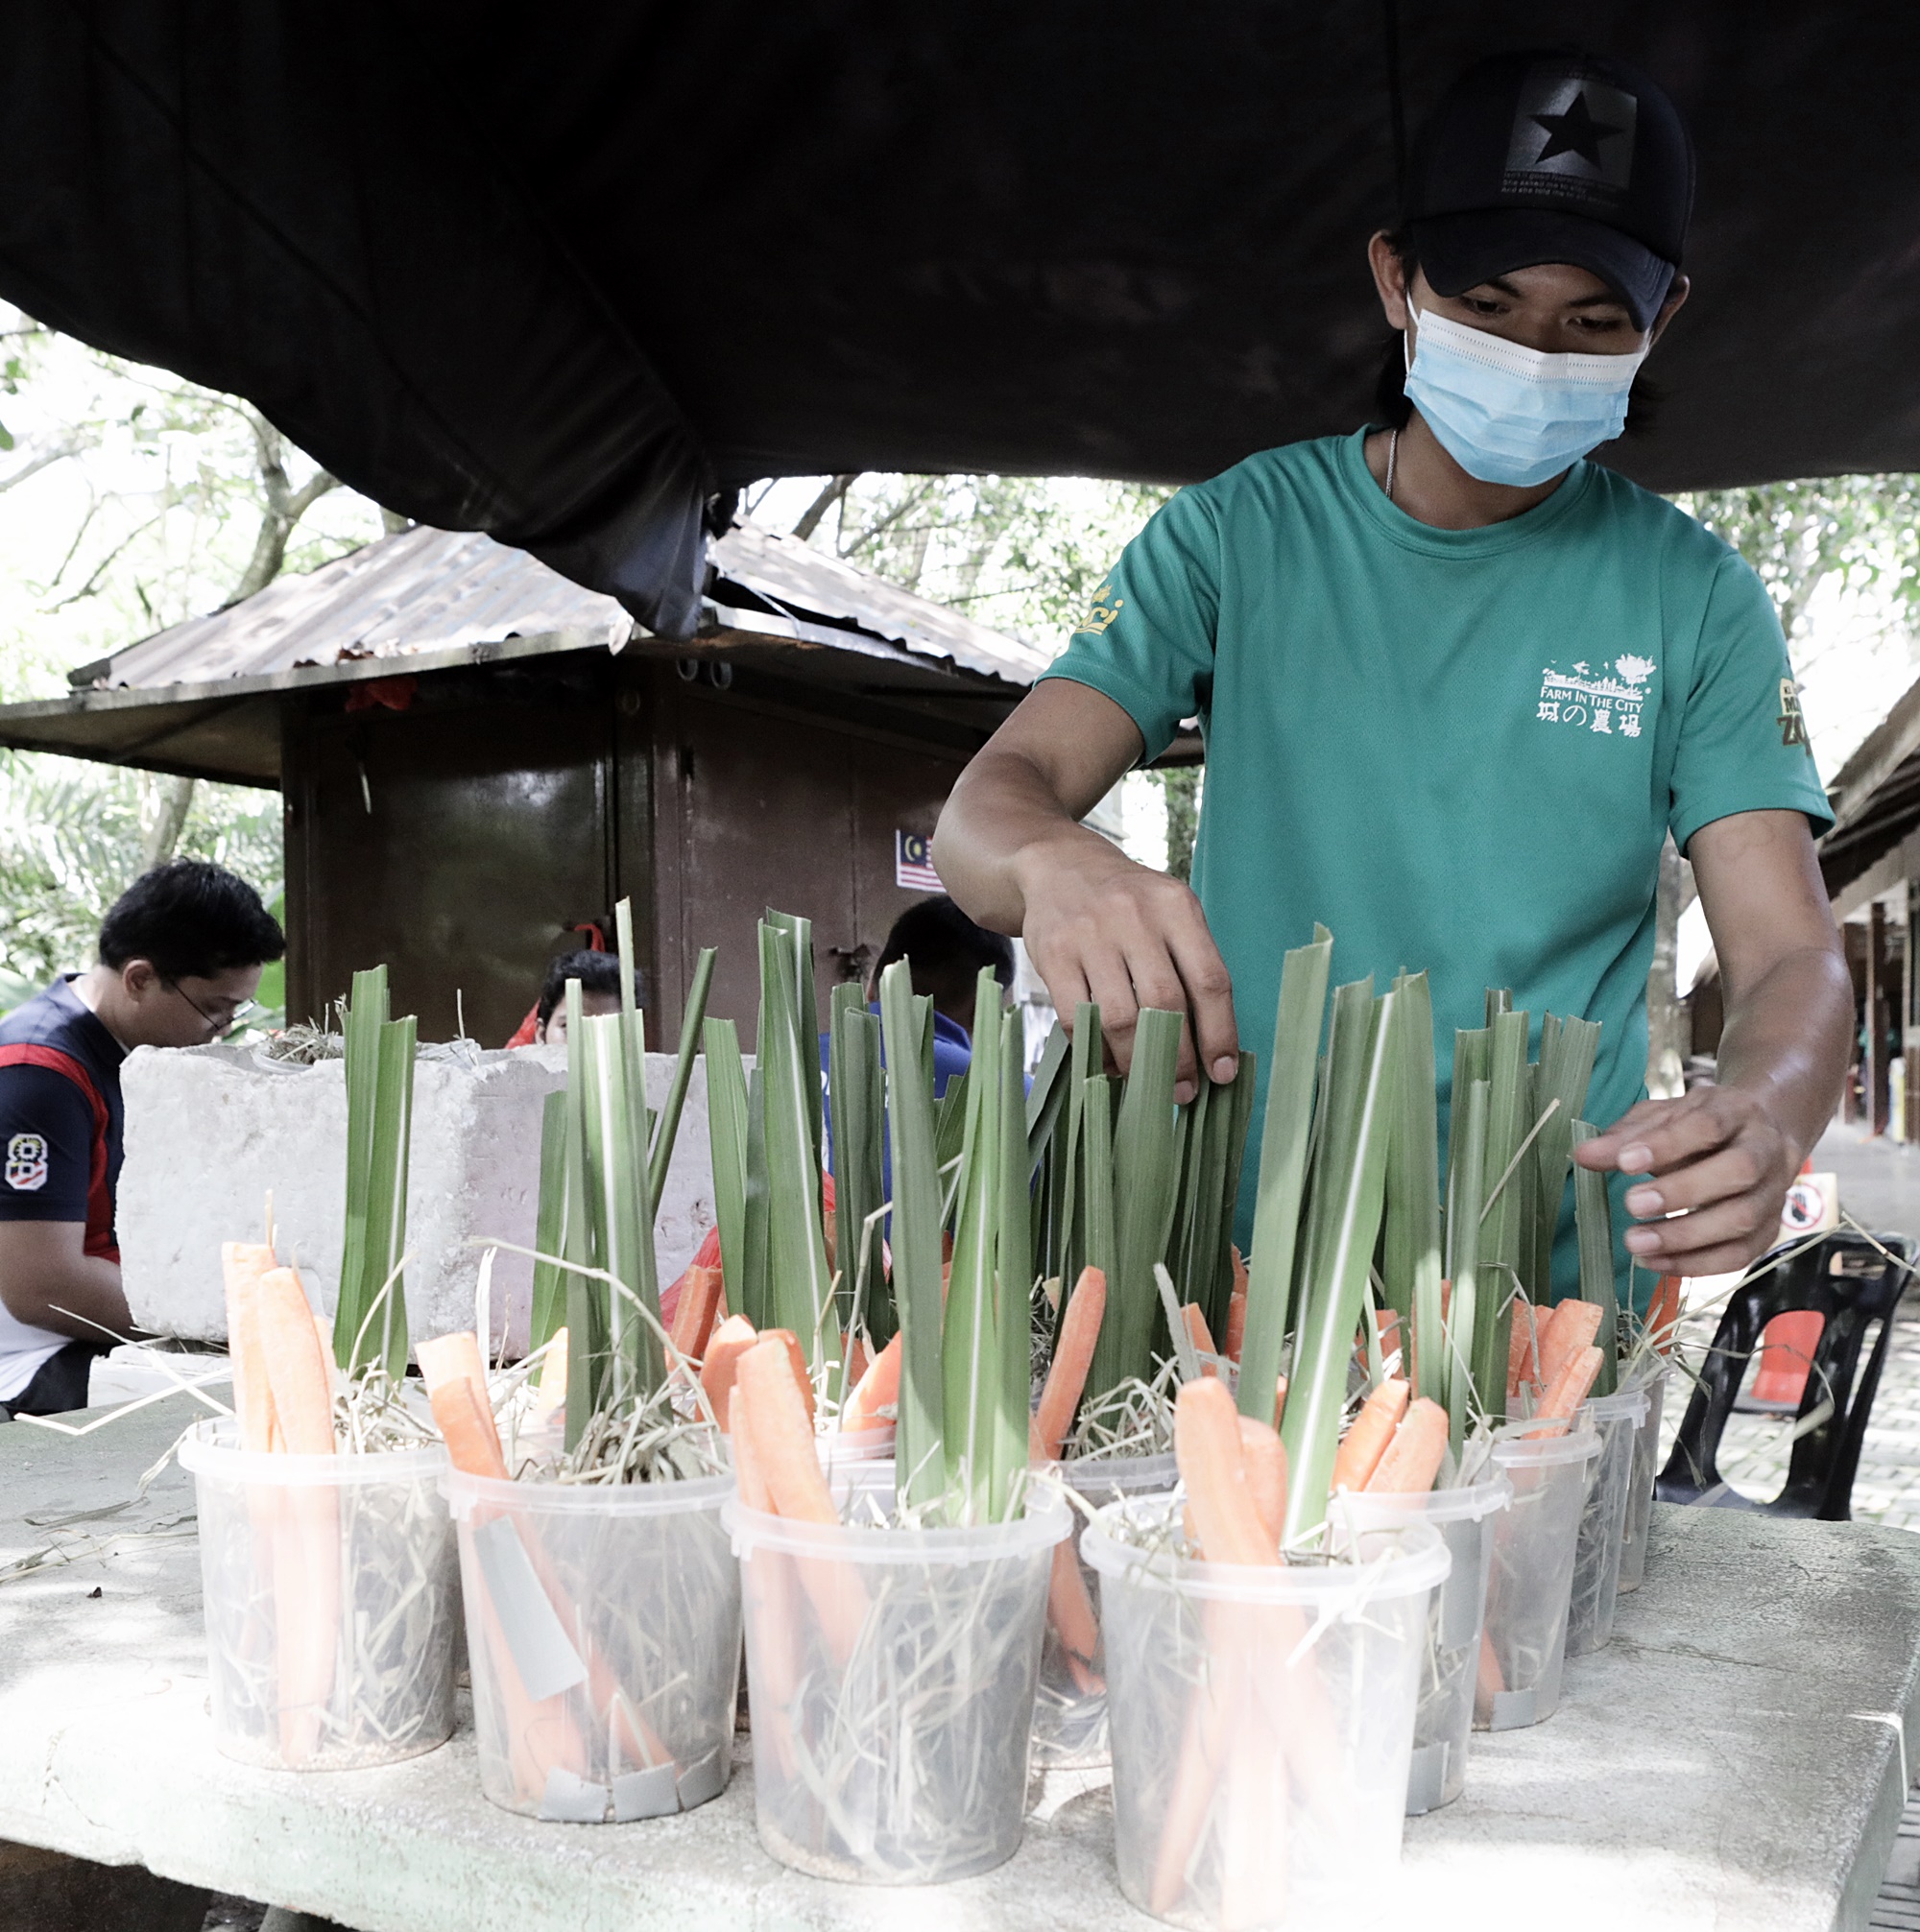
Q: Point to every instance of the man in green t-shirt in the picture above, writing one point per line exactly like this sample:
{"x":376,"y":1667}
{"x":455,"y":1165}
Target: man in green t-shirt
{"x":1457,"y":685}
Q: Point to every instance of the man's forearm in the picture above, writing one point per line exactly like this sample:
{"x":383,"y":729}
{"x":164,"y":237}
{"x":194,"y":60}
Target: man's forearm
{"x":1787,"y":1039}
{"x":1001,"y":810}
{"x":82,"y":1297}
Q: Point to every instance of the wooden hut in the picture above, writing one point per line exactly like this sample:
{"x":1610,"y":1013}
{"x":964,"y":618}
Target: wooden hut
{"x":478,"y":756}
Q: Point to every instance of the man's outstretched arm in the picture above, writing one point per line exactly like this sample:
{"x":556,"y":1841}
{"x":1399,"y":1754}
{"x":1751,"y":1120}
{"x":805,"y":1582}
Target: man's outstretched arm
{"x":1012,"y":852}
{"x":1722,"y":1157}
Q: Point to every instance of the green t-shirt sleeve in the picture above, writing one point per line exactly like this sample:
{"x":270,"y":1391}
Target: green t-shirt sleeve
{"x":1148,"y":641}
{"x":1742,"y":744}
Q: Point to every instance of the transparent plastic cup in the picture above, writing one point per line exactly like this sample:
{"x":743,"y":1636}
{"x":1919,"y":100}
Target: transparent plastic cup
{"x":1467,"y":1521}
{"x":842,"y":1447}
{"x":602,"y":1623}
{"x":331,"y":1601}
{"x":1069,"y":1710}
{"x":1262,"y":1721}
{"x":892,"y":1674}
{"x":1532,"y":1583}
{"x":1640,"y":1484}
{"x":1602,"y":1539}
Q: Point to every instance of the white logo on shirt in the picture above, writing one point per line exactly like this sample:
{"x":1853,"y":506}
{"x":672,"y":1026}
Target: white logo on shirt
{"x":1607,"y":701}
{"x":27,"y":1164}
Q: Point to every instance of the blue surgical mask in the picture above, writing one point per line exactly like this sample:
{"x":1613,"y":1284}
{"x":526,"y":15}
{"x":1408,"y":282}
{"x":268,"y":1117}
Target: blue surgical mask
{"x":1508,"y":413}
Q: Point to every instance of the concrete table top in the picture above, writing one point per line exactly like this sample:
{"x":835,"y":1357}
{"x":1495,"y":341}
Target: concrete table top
{"x":1736,"y":1760}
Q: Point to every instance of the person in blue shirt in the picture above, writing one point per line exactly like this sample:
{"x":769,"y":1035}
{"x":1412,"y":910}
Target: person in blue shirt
{"x":945,"y":951}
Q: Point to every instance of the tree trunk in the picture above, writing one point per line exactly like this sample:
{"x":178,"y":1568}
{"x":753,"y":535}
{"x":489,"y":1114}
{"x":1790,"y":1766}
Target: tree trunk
{"x":1666,"y":1018}
{"x":163,"y":835}
{"x":1182,"y":786}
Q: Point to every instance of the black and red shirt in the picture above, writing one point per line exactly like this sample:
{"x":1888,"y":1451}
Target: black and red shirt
{"x":60,"y":1116}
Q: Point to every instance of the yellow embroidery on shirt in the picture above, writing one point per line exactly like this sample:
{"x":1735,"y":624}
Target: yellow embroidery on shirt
{"x":1106,"y":608}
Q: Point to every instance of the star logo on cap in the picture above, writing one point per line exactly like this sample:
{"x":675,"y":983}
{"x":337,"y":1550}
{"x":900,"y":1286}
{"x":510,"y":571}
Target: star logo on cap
{"x":1575,"y":132}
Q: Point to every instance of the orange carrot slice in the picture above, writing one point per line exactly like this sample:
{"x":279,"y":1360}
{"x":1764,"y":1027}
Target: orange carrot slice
{"x":242,"y":1263}
{"x":1070,"y":1609}
{"x":472,"y":1441}
{"x":295,"y":1369}
{"x":1569,"y":1389}
{"x":795,"y":1360}
{"x":1279,"y":1400}
{"x":1523,"y":1348}
{"x":693,"y":1316}
{"x":1413,"y":1458}
{"x":1264,"y":1456}
{"x":1201,"y":1336}
{"x":767,"y":1400}
{"x":1237,"y":1308}
{"x":1663,"y":1312}
{"x":1206,"y":1443}
{"x":1575,"y":1323}
{"x":747,"y":1471}
{"x":1366,"y":1442}
{"x":876,"y":1390}
{"x":453,"y":1358}
{"x":1072,"y":1356}
{"x":859,"y":1359}
{"x":730,"y":1341}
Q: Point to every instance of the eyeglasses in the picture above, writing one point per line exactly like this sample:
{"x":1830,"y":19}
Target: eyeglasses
{"x":215,"y":1025}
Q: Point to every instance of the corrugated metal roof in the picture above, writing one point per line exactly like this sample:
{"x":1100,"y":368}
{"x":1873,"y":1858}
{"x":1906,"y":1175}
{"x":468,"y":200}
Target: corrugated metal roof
{"x":428,"y":590}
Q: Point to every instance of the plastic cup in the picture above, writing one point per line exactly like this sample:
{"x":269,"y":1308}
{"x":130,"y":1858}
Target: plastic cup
{"x":1069,"y":1710}
{"x":1535,"y":1541}
{"x":1640,"y":1484}
{"x":603,"y":1622}
{"x":1261,"y":1720}
{"x":1602,"y":1537}
{"x":1467,"y":1521}
{"x":843,"y":1447}
{"x":892,"y":1675}
{"x":331,"y":1602}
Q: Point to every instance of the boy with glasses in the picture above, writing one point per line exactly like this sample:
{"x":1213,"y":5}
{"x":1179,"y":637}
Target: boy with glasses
{"x":181,"y":954}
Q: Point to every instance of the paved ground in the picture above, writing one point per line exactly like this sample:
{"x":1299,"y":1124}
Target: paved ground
{"x":1880,"y":1186}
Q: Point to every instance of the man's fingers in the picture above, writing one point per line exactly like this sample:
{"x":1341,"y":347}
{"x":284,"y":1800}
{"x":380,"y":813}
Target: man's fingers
{"x":1110,"y":988}
{"x":1672,"y":1244}
{"x":1720,"y":1175}
{"x":1156,"y":983}
{"x":1210,"y":997}
{"x":1667,"y":1134}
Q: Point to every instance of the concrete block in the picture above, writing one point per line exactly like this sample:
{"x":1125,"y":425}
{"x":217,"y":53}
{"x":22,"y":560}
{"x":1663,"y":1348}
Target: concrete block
{"x":212,"y":1130}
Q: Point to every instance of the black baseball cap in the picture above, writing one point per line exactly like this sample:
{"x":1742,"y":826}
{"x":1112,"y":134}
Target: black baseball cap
{"x":1544,"y":156}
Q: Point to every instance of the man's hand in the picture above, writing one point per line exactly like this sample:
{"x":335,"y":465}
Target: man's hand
{"x":1012,"y":852}
{"x":1720,"y":1163}
{"x":1723,"y":1158}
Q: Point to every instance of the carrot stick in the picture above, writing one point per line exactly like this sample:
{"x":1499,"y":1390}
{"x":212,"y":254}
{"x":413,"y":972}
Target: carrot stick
{"x":1279,"y":1400}
{"x":876,"y":1390}
{"x":1523,"y":1353}
{"x":767,"y":1400}
{"x":1389,"y":1334}
{"x":796,"y":1361}
{"x":730,"y":1341}
{"x":1413,"y":1458}
{"x":1663,"y":1312}
{"x":1569,"y":1390}
{"x":747,"y":1471}
{"x":1070,"y":1609}
{"x":859,"y":1359}
{"x":295,"y":1369}
{"x":693,"y":1316}
{"x":1201,"y":1336}
{"x":1237,"y":1308}
{"x":1575,"y":1323}
{"x":1264,"y":1456}
{"x":767,"y":1406}
{"x":472,"y":1441}
{"x":1072,"y":1356}
{"x":454,"y":1359}
{"x":242,"y":1263}
{"x":1366,"y":1442}
{"x":1206,"y":1443}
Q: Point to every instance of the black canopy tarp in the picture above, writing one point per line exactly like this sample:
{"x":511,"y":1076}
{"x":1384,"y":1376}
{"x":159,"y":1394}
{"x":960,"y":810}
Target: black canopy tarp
{"x":562,"y":274}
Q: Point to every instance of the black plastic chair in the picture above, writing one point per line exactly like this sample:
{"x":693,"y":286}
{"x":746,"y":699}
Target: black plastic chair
{"x":1846,"y":1279}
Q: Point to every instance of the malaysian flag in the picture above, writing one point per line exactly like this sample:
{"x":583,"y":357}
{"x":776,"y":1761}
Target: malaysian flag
{"x":913,"y":864}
